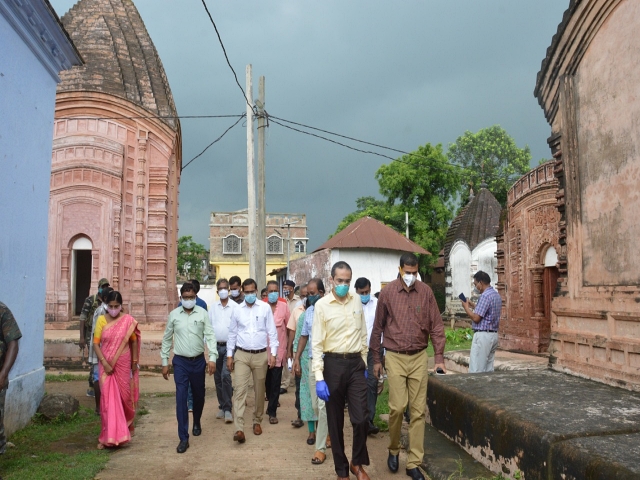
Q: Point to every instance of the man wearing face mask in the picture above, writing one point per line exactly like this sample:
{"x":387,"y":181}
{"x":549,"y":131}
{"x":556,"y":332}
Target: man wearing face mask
{"x":486,"y":320}
{"x":188,"y":329}
{"x":369,"y":304}
{"x":293,"y":300}
{"x":235,"y":289}
{"x":251,"y":331}
{"x":89,"y":307}
{"x":281,"y":314}
{"x":220,"y":316}
{"x":407,"y":315}
{"x":339,"y":333}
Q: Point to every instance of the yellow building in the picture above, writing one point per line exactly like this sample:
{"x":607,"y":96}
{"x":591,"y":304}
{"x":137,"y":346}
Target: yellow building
{"x":229,"y":242}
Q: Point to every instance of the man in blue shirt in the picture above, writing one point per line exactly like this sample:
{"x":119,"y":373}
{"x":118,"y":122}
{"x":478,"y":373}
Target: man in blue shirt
{"x":486,"y":320}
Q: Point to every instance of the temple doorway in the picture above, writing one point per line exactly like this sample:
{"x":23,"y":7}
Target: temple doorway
{"x":549,"y":283}
{"x":81,"y":278}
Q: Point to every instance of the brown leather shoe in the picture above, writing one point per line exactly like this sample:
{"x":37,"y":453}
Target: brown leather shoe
{"x":257,"y":429}
{"x":359,"y":472}
{"x":239,"y":437}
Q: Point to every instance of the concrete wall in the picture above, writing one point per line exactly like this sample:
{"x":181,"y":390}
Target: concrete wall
{"x":27,"y":105}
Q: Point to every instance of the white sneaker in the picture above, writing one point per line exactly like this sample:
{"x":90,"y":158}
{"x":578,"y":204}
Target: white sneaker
{"x":228,"y":418}
{"x":220,"y":415}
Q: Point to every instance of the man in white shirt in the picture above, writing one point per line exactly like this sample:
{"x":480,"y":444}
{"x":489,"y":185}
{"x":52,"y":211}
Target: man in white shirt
{"x":369,"y":304}
{"x":220,"y":316}
{"x":251,"y":330}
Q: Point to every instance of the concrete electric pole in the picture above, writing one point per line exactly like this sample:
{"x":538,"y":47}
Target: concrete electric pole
{"x":251,"y":182}
{"x":261,"y":229}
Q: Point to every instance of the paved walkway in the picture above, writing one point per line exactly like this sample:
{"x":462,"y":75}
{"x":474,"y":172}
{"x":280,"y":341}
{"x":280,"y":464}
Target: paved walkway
{"x":280,"y":452}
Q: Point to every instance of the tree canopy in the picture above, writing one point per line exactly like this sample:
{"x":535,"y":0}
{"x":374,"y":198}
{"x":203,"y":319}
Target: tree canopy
{"x":190,"y":257}
{"x":491,"y":155}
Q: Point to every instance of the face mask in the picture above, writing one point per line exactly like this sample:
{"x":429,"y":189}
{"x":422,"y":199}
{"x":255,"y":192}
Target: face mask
{"x":273,"y":297}
{"x":223,"y":294}
{"x":312,"y":299}
{"x":341,"y":290}
{"x":114,"y":311}
{"x":365,"y":298}
{"x":189,"y":304}
{"x":235,"y":293}
{"x":250,"y":298}
{"x":409,"y":279}
{"x":286,"y":293}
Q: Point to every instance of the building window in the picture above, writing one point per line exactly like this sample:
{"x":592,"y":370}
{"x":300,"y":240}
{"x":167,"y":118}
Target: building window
{"x":231,"y":244}
{"x":274,"y":245}
{"x":300,"y":246}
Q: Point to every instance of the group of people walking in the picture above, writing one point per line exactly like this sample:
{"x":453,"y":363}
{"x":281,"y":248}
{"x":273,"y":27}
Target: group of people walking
{"x":338,"y":343}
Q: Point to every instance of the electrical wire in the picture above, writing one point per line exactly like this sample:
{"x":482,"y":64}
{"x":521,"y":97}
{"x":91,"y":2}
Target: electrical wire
{"x":212,"y":143}
{"x":253,"y":108}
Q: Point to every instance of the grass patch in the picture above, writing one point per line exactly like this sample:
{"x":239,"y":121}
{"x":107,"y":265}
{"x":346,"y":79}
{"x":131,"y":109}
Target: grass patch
{"x":382,"y":407}
{"x":64,"y":448}
{"x":66,"y":377}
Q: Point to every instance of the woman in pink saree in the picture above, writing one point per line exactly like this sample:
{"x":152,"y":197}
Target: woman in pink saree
{"x":117,"y":346}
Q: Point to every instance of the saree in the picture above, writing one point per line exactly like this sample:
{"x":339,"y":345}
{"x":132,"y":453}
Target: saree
{"x":120,"y":390}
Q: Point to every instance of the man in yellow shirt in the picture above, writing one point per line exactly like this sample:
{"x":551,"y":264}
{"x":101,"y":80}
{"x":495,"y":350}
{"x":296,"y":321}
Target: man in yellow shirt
{"x":339,"y":334}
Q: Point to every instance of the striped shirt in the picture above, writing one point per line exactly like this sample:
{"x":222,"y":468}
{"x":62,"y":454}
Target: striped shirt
{"x":488,"y":307}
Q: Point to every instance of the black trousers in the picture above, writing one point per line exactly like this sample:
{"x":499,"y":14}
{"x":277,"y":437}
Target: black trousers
{"x":188,"y":372}
{"x":345,"y":380}
{"x":272,"y":389}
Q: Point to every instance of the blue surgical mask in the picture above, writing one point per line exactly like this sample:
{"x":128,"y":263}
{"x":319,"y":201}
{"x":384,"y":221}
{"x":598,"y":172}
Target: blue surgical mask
{"x":365,"y":298}
{"x":273,"y":297}
{"x":312,"y":299}
{"x":341,"y":290}
{"x":250,"y":298}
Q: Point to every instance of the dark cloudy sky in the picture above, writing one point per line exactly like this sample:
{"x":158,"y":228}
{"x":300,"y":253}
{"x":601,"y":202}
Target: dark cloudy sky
{"x":396,"y":73}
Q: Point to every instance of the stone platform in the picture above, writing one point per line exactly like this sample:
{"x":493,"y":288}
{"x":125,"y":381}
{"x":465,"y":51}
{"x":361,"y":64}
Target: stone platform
{"x":458,"y":361}
{"x":540,"y":423}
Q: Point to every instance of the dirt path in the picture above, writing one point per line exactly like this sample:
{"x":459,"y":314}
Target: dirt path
{"x":280,"y":452}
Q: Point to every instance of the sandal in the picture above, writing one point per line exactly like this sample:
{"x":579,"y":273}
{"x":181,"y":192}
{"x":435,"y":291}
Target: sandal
{"x":273,"y":420}
{"x":318,"y":458}
{"x":297,"y":423}
{"x":312,"y":439}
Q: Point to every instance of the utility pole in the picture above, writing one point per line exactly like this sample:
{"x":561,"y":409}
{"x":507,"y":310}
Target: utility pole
{"x":261,"y":229}
{"x":251,"y":182}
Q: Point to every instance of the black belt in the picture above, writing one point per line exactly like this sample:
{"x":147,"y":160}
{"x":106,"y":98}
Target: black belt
{"x":222,"y":344}
{"x":252,"y":351}
{"x":342,"y":355}
{"x":487,"y":331}
{"x":191,"y":359}
{"x":405,"y":352}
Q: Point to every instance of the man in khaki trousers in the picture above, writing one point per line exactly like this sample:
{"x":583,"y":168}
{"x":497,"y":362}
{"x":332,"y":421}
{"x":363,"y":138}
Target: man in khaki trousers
{"x":406,"y":316}
{"x":251,"y":331}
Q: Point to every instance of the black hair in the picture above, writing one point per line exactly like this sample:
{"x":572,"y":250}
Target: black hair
{"x":249,"y":281}
{"x":408,"y":259}
{"x":221,"y":281}
{"x":362,"y":283}
{"x":187,"y":287}
{"x":196,"y":284}
{"x":235,"y":279}
{"x":263,"y":291}
{"x":483,"y":277}
{"x":105,"y":292}
{"x":273,"y":282}
{"x":339,"y":266}
{"x":318,"y":283}
{"x":114,"y":295}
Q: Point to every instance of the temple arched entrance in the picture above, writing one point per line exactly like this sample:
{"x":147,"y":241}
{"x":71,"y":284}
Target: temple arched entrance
{"x":81,"y":263}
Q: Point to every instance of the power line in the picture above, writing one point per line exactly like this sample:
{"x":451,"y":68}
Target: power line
{"x":211,"y":144}
{"x":227,"y":58}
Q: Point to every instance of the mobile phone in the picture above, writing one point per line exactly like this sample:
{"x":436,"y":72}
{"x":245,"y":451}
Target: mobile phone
{"x":440,"y":371}
{"x":462,"y":297}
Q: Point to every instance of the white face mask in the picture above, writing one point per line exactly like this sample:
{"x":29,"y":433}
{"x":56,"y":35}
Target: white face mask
{"x":189,"y":304}
{"x":223,"y":294}
{"x":409,"y":279}
{"x":235,"y":293}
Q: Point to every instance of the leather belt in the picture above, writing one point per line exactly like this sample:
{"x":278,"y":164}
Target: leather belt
{"x":191,"y":359}
{"x":342,"y":355}
{"x":222,"y":344}
{"x":486,"y":331}
{"x":252,"y":351}
{"x":405,"y":352}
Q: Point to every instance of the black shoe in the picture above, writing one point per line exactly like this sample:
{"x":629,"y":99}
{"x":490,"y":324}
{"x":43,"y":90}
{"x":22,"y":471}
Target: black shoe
{"x":182,"y":446}
{"x":392,"y":463}
{"x":373,"y":429}
{"x":283,"y":391}
{"x":197,"y":430}
{"x":415,"y":473}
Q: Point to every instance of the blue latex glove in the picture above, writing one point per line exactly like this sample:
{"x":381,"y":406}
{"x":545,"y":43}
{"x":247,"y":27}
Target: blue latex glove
{"x":322,"y":390}
{"x":366,"y":373}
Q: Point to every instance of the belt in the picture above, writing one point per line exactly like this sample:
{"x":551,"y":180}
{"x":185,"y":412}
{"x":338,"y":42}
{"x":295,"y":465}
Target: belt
{"x":486,"y":331}
{"x":252,"y":351}
{"x":191,"y":359}
{"x":342,"y":355}
{"x":405,"y":352}
{"x":222,"y":344}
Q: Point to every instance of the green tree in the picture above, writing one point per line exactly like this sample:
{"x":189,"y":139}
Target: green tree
{"x":490,"y":155}
{"x":422,"y":183}
{"x":190,"y":257}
